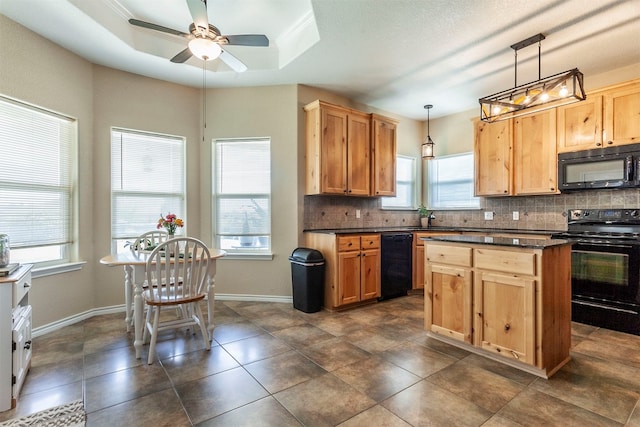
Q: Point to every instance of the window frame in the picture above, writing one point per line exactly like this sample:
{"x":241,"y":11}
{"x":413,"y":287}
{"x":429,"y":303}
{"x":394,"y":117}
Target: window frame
{"x":257,"y":249}
{"x":472,"y":203}
{"x":119,"y":240}
{"x":59,"y":254}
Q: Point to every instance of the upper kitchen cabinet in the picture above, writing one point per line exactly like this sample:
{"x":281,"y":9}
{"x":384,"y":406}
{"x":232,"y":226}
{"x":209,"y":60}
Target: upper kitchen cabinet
{"x":622,"y":114}
{"x":609,"y":116}
{"x":534,"y":156}
{"x":338,"y":150}
{"x":493,"y":158}
{"x":383,"y":147}
{"x":580,"y":125}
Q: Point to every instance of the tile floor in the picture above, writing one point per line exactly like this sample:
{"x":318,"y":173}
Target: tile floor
{"x":272,"y":365}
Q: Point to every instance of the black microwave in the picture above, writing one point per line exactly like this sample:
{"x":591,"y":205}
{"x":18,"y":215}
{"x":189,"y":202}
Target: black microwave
{"x":611,"y":167}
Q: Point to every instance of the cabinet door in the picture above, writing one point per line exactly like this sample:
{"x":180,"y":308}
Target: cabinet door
{"x":418,"y":267}
{"x":579,"y":125}
{"x":448,"y":297}
{"x":359,"y":160}
{"x":369,"y":274}
{"x":348,"y":277}
{"x":492,"y":152}
{"x":384,"y":157}
{"x":333,"y":151}
{"x":622,"y":115}
{"x":504,"y":313}
{"x":535,"y":159}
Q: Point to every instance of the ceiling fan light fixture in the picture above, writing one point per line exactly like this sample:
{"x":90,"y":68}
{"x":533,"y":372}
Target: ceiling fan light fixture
{"x":542,"y":94}
{"x":205,"y":49}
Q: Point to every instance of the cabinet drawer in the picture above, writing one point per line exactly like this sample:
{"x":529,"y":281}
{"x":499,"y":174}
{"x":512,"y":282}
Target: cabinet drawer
{"x":21,"y":287}
{"x":506,"y":261}
{"x":370,"y":241}
{"x":348,"y":243}
{"x":453,"y":255}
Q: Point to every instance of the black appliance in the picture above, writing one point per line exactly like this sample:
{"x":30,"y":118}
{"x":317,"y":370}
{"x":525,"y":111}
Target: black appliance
{"x":611,"y":167}
{"x":396,"y":264}
{"x":605,"y":267}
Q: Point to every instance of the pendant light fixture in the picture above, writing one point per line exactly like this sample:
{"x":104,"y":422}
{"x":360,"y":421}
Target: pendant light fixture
{"x":427,"y":144}
{"x":553,"y":91}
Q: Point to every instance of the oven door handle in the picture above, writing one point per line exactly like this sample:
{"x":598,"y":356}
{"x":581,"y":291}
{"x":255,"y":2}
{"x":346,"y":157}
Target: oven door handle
{"x":604,"y":245}
{"x":608,"y":307}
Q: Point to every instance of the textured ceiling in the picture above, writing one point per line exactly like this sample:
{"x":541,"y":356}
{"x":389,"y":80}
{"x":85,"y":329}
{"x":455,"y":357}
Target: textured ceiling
{"x":395,"y":55}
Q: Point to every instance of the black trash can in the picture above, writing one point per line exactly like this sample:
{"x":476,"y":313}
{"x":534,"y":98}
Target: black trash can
{"x":307,"y":275}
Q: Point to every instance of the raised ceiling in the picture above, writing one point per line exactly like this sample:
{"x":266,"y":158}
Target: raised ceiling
{"x":395,"y":55}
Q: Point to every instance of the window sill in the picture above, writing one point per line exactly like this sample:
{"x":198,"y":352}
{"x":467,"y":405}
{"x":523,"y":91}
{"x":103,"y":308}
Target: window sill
{"x":247,"y":256}
{"x":57,"y":269}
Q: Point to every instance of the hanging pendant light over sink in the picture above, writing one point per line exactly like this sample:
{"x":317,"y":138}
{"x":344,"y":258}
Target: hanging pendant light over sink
{"x":553,"y":91}
{"x":427,"y":144}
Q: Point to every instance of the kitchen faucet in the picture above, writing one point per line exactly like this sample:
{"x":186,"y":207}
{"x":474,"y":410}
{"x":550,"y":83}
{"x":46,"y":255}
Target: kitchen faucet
{"x":429,"y":218}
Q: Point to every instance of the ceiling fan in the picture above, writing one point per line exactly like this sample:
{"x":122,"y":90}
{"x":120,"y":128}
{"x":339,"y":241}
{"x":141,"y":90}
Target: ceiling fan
{"x":205,"y":40}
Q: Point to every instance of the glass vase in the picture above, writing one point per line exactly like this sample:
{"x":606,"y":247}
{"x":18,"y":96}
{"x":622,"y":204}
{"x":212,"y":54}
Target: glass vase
{"x":4,"y":250}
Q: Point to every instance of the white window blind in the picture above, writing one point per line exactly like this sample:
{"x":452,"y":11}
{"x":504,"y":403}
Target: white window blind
{"x":451,"y":182}
{"x":242,"y":199}
{"x":36,"y":180}
{"x":147,"y":180}
{"x":405,"y":185}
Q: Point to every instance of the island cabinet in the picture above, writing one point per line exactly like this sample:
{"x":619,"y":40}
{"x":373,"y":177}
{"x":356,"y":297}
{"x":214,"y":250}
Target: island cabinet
{"x":609,"y":116}
{"x":418,"y":279}
{"x":509,"y":303}
{"x":338,"y":150}
{"x":352,"y":267}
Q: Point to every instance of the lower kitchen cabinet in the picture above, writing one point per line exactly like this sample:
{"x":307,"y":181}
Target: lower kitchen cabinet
{"x":418,"y":255}
{"x":510,"y":303}
{"x":352,"y":267}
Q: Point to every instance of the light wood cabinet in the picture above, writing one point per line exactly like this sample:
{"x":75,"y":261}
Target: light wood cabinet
{"x":609,"y":116}
{"x":338,"y":146}
{"x":352,"y":267}
{"x":535,"y":158}
{"x":518,"y":300}
{"x":579,"y":125}
{"x":493,"y":158}
{"x":622,"y":115}
{"x":383,"y":148}
{"x":349,"y":152}
{"x":418,"y":278}
{"x":448,"y":291}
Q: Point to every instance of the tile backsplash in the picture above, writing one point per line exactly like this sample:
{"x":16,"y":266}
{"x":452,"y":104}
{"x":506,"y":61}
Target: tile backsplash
{"x":535,"y":212}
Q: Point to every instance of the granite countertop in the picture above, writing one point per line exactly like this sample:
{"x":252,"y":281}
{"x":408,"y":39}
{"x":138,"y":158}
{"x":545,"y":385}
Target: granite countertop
{"x":417,"y":228}
{"x":500,"y":241}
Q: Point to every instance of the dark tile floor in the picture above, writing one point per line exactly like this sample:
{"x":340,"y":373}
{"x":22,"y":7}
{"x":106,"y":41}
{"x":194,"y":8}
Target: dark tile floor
{"x":272,"y":365}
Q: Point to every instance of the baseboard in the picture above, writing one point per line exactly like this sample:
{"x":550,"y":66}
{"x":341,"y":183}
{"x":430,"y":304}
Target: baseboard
{"x":67,"y":321}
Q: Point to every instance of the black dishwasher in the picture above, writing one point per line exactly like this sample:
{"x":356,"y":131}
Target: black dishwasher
{"x":396,"y":264}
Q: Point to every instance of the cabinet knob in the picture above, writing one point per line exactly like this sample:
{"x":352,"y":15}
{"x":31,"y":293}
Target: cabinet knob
{"x":598,"y":144}
{"x":27,"y":344}
{"x":507,"y":327}
{"x":27,"y":285}
{"x":609,"y":142}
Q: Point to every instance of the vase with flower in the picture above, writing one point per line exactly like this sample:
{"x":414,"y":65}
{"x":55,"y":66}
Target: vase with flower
{"x":171,"y":223}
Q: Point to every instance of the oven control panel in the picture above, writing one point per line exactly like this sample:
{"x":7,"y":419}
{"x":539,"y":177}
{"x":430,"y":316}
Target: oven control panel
{"x":604,"y":215}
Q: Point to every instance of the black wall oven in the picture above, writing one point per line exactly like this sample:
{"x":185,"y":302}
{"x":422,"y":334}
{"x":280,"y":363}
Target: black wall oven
{"x":605,"y":267}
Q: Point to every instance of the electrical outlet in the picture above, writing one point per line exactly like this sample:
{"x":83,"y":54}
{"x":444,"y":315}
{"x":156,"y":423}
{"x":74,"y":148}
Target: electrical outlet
{"x":357,"y":213}
{"x":488,"y":216}
{"x":516,"y":215}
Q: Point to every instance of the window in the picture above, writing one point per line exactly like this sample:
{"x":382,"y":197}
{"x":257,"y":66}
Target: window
{"x":451,"y":182}
{"x":147,"y":180}
{"x":405,"y":185}
{"x":242,"y":195}
{"x":37,"y":182}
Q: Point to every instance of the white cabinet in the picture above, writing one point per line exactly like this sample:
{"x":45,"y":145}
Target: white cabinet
{"x":15,"y":334}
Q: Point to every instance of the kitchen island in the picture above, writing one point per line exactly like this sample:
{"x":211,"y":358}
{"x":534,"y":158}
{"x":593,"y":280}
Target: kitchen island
{"x":508,"y":299}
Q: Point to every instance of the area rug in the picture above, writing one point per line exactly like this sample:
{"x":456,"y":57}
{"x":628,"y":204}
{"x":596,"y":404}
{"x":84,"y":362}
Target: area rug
{"x":68,"y":415}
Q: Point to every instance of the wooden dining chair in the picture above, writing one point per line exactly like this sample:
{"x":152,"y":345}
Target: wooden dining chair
{"x":187,"y":259}
{"x":145,"y":242}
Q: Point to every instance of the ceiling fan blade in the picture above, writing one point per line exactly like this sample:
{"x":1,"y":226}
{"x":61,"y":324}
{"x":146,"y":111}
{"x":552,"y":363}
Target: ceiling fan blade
{"x":182,"y":56}
{"x":156,"y":27}
{"x":234,"y":63}
{"x":198,"y":9}
{"x":248,"y":40}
